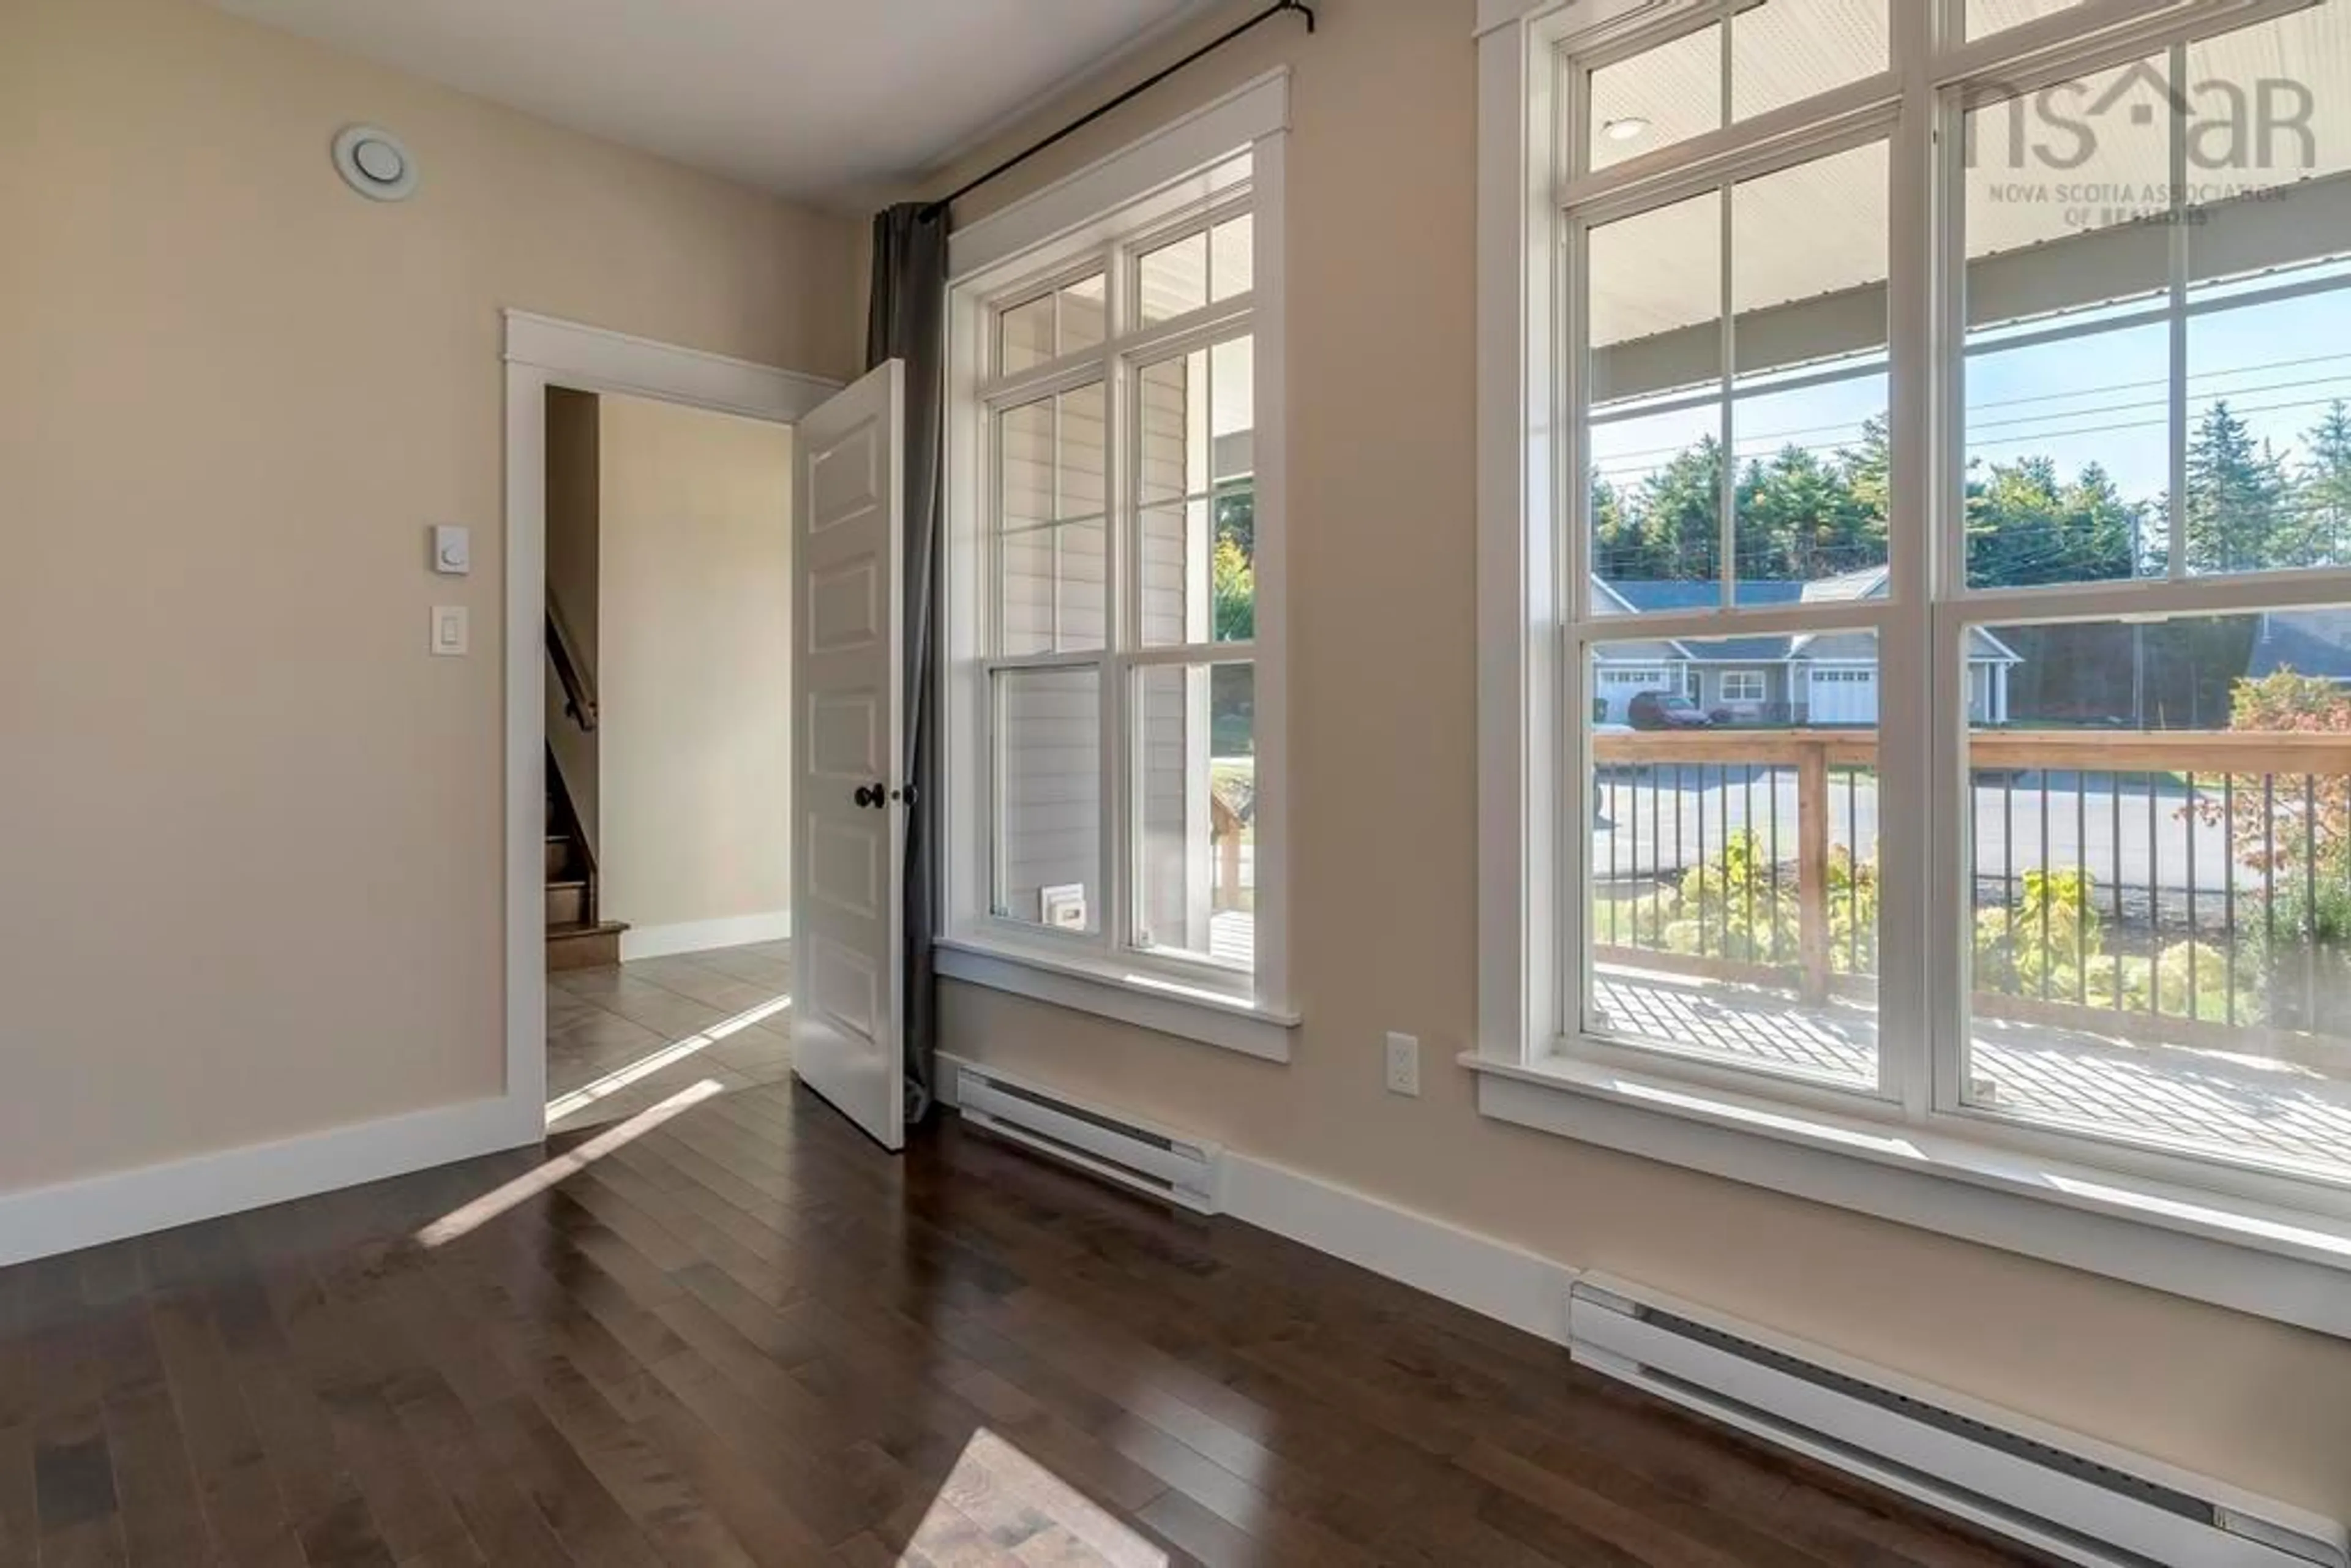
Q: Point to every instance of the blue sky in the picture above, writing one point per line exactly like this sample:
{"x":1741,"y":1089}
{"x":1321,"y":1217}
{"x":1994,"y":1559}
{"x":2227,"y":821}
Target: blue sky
{"x":2098,"y":398}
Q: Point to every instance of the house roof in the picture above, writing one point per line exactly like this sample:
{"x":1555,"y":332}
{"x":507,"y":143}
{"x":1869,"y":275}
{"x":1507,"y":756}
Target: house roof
{"x":1649,"y":598}
{"x":2307,"y":641}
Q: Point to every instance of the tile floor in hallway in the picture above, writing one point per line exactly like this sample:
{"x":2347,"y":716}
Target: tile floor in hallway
{"x":626,"y":1036}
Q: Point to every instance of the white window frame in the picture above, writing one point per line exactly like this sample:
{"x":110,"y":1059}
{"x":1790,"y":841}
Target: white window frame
{"x":1752,"y":686}
{"x":1170,"y":183}
{"x":2269,"y":1244}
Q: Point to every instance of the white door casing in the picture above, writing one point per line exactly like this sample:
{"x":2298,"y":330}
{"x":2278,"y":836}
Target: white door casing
{"x":847,"y":865}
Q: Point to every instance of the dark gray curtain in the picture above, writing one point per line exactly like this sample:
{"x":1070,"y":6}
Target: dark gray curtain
{"x":907,"y":321}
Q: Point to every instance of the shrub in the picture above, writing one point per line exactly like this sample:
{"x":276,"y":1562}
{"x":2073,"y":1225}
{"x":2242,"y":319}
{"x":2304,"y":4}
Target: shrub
{"x":2048,"y":942}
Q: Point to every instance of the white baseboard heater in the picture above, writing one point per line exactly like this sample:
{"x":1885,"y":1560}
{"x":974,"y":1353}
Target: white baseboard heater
{"x":2071,"y":1496}
{"x":1115,"y":1147}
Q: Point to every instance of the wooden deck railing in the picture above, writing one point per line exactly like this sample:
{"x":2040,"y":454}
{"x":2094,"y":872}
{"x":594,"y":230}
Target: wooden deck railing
{"x":2298,"y":779}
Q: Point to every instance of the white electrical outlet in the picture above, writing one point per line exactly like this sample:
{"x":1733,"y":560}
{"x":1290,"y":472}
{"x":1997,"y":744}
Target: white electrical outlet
{"x":1403,"y":1064}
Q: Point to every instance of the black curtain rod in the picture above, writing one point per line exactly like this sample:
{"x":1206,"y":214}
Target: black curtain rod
{"x":1146,"y":85}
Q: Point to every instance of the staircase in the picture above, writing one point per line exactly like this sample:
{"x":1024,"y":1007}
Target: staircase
{"x":576,"y":939}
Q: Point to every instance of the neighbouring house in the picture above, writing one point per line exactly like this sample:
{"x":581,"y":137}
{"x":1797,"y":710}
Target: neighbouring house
{"x":1812,"y":678}
{"x":2307,"y":641}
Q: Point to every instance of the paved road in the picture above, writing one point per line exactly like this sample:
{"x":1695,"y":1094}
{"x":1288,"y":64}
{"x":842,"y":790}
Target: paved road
{"x":1651,"y":823}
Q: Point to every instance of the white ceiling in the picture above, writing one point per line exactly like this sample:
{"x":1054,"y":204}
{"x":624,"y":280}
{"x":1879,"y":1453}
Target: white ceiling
{"x":818,"y":99}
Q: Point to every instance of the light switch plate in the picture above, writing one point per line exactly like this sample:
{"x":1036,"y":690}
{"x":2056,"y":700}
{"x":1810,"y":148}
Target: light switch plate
{"x":450,"y":634}
{"x":453,"y":550}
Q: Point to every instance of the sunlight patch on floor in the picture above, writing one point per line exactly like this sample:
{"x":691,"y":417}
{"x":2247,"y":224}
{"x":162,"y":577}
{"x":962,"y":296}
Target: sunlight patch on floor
{"x":564,"y":1106}
{"x":490,"y":1205}
{"x":997,"y":1499}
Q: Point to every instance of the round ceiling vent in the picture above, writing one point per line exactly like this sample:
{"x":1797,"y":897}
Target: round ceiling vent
{"x":373,"y":163}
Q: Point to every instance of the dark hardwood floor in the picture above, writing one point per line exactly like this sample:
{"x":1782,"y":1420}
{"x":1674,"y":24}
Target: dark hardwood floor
{"x":743,"y":1336}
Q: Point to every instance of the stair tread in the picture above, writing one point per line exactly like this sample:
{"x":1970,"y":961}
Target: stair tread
{"x":566,"y":882}
{"x":599,"y":928}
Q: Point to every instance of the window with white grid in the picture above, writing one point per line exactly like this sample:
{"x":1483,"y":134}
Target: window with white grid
{"x":1972,"y":363}
{"x":1108,"y":651}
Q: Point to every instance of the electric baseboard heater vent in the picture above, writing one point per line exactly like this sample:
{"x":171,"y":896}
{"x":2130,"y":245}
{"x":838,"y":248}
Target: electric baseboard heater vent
{"x":1150,"y":1160}
{"x":2073,"y":1497}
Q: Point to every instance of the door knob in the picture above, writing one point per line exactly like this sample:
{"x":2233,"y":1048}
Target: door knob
{"x":873,"y":795}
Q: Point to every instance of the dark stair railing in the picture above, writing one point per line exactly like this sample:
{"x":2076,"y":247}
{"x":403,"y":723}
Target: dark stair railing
{"x":579,"y":684}
{"x":571,"y":669}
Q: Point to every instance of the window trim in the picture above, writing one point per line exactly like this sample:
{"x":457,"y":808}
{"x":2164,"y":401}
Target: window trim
{"x":1750,"y":680}
{"x":2172,"y":1221}
{"x":1154,"y":190}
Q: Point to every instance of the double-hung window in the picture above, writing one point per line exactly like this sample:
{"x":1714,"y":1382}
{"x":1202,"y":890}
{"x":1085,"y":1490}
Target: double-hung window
{"x":1113,"y":672}
{"x":1970,"y":383}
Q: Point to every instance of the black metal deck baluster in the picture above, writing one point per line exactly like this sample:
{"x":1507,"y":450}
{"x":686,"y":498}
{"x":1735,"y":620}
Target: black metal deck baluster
{"x":2115,"y":800}
{"x":2310,"y":898}
{"x":1853,"y":865}
{"x":2081,"y":888}
{"x":1746,"y":827}
{"x":1774,"y":793}
{"x":2188,"y":819}
{"x":1703,"y":880}
{"x":1609,"y":786}
{"x":1657,"y":848}
{"x":1722,"y":843}
{"x":2044,"y":900}
{"x":2229,"y":888}
{"x":2269,"y":863}
{"x":2154,"y":894}
{"x":2008,"y":865}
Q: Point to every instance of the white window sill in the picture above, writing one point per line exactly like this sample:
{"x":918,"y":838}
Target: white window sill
{"x":1109,"y":991}
{"x":2276,"y":1263}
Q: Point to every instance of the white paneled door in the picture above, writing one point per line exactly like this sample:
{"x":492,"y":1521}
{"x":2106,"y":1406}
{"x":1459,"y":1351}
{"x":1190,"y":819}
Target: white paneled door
{"x":849,"y":783}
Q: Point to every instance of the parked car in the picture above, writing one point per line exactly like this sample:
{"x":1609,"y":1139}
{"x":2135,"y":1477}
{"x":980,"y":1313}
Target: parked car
{"x":1666,"y":710}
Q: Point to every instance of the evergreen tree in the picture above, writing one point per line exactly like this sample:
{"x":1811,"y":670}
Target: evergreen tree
{"x":1800,"y":518}
{"x":1680,"y":516}
{"x":1805,"y":517}
{"x":2026,"y":526}
{"x":2321,"y":490}
{"x":1869,"y":475}
{"x":2106,"y":530}
{"x":2237,"y":516}
{"x":1619,"y":549}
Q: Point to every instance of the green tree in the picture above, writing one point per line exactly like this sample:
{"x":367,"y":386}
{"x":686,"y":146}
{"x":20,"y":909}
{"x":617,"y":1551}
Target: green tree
{"x":1799,"y":518}
{"x":1232,"y":566}
{"x":1235,"y":579}
{"x":1232,"y":578}
{"x":2027,"y":526}
{"x":2237,"y":516}
{"x":1869,"y":473}
{"x":1237,"y":518}
{"x":2321,"y":489}
{"x":1619,"y":548}
{"x":1680,"y":510}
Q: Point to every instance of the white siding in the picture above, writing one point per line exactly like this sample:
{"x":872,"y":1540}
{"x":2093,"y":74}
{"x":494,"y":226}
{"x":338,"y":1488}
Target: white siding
{"x":1048,"y":800}
{"x":1051,"y":498}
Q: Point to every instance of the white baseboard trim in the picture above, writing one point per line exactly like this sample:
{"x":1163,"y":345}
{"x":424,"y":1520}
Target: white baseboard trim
{"x":702,"y":936}
{"x":39,"y":1221}
{"x":1490,"y":1278}
{"x":1476,"y":1272}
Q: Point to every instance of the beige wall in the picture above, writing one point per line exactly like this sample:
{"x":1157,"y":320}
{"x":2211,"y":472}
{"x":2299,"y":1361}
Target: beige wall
{"x":695,"y":663}
{"x":573,"y":487}
{"x":250,"y":833}
{"x":1381,"y":302}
